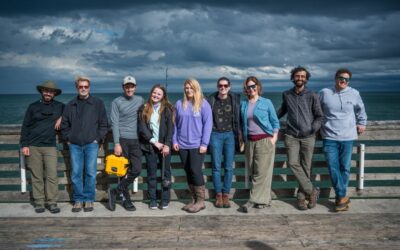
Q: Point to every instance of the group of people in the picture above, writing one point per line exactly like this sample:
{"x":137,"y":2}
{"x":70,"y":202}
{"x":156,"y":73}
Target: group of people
{"x":221,"y":123}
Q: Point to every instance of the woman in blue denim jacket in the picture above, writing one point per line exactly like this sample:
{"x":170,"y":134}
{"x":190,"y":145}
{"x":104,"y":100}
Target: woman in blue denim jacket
{"x":260,"y":132}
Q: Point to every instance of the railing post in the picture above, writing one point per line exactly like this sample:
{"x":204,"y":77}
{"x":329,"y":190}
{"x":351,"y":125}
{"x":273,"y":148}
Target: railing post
{"x":360,"y":176}
{"x":23,"y":170}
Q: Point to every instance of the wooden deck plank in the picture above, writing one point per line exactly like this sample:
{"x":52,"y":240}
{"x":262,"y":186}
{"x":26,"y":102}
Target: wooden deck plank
{"x":337,"y":231}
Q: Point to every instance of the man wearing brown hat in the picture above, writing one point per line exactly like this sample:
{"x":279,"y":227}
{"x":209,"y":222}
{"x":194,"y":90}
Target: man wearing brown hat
{"x":38,"y":142}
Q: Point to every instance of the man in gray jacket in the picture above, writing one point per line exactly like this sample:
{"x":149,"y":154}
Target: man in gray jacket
{"x":304,"y":117}
{"x":124,"y":120}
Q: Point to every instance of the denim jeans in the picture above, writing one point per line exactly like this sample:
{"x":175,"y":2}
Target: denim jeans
{"x":338,"y":157}
{"x":153,"y":161}
{"x":222,"y":144}
{"x":83,"y":171}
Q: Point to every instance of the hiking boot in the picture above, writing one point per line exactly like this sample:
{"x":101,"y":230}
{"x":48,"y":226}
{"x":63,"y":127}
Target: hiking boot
{"x":245,"y":208}
{"x":194,"y":198}
{"x":313,"y":198}
{"x":302,"y":204}
{"x":343,"y":204}
{"x":39,"y":209}
{"x":53,"y":208}
{"x":112,"y":197}
{"x":88,"y":206}
{"x":199,"y":204}
{"x":153,"y":204}
{"x":218,"y":200}
{"x":77,"y":207}
{"x":225,"y":201}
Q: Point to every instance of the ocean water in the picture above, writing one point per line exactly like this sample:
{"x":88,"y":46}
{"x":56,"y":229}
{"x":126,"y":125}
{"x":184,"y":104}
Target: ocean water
{"x":379,"y":105}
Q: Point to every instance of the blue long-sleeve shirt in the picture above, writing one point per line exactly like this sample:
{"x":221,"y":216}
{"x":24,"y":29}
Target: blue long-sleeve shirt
{"x":343,"y":111}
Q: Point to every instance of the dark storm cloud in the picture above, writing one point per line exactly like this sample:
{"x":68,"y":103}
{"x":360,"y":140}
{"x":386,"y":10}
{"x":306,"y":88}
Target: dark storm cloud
{"x":206,"y":39}
{"x":354,"y":8}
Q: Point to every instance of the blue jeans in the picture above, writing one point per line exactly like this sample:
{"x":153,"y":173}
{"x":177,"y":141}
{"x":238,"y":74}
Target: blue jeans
{"x":338,"y":157}
{"x":222,"y":143}
{"x":83,"y":160}
{"x":153,"y":161}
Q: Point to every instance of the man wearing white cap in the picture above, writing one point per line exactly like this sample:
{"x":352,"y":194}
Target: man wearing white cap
{"x":124,"y":112}
{"x":38,"y":142}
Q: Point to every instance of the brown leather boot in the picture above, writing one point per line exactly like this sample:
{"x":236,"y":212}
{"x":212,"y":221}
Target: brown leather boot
{"x":225,"y":201}
{"x":218,"y":202}
{"x":343,"y":204}
{"x":190,"y":204}
{"x":200,"y":196}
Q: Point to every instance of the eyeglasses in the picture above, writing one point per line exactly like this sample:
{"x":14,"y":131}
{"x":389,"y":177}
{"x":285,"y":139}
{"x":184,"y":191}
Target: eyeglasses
{"x":83,"y":87}
{"x":254,"y":86}
{"x":343,"y":79}
{"x":223,"y":86}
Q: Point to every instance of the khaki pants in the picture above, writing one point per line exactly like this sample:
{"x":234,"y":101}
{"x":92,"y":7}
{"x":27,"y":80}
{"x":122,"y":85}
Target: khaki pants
{"x":43,"y":164}
{"x":300,"y":152}
{"x":260,"y":157}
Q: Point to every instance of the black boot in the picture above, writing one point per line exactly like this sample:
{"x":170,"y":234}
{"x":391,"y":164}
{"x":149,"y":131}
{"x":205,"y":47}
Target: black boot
{"x":127,"y":203}
{"x":112,"y":197}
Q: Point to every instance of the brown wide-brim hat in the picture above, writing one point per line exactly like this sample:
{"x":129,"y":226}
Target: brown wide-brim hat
{"x":49,"y":85}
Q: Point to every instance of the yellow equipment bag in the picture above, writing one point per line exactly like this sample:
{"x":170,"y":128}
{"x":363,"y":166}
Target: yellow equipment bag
{"x":116,"y":165}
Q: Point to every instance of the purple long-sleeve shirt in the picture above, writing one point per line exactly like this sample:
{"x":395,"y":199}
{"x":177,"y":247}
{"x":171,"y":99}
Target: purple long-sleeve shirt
{"x":192,"y":130}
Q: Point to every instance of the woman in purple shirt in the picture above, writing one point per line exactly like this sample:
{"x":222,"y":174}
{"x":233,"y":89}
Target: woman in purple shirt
{"x":193,"y":126}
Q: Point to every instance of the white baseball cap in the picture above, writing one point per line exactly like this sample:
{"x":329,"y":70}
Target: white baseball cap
{"x":129,"y":79}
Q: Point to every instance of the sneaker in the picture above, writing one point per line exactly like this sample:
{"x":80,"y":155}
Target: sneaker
{"x":245,"y":208}
{"x":77,"y":207}
{"x":343,"y":204}
{"x":88,"y":206}
{"x":112,"y":197}
{"x":53,"y":208}
{"x":153,"y":205}
{"x":164,"y":205}
{"x":302,"y":204}
{"x":39,"y":209}
{"x":313,"y":198}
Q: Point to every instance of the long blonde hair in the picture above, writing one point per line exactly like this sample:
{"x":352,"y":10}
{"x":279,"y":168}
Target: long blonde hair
{"x":197,"y":96}
{"x":148,"y":107}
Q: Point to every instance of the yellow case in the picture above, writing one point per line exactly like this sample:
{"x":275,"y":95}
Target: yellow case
{"x":116,"y":165}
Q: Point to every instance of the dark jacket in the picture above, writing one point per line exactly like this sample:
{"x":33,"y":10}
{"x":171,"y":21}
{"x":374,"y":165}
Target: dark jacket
{"x":165,"y":133}
{"x":84,"y":128}
{"x":304,"y":112}
{"x":38,"y":126}
{"x":236,"y":126}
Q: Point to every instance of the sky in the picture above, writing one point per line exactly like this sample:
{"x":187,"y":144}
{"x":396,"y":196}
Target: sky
{"x":107,"y":40}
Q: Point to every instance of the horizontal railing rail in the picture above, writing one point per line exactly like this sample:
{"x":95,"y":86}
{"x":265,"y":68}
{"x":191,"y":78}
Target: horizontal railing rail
{"x":377,"y":174}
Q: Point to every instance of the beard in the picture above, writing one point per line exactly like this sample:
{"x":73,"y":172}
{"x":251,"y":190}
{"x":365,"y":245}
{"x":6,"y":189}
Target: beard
{"x":47,"y":98}
{"x":299,"y":83}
